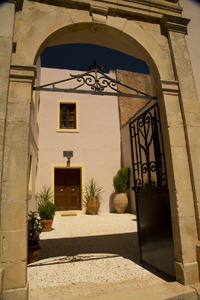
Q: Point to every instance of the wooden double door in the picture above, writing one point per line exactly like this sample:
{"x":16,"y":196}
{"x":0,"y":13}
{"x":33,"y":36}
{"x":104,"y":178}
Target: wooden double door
{"x":67,"y":189}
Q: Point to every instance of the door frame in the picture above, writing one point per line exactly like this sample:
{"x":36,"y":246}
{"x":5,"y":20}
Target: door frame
{"x":82,"y":181}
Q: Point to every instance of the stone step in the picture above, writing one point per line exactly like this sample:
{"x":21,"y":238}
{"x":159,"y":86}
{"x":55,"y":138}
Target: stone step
{"x":163,"y":291}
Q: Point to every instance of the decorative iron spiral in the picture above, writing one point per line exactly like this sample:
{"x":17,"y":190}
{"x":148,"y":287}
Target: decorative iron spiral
{"x":138,"y":183}
{"x":144,"y":168}
{"x":152,"y":166}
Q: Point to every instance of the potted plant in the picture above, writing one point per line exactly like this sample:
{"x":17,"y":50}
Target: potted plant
{"x":93,"y":196}
{"x":34,"y":230}
{"x":121,"y":184}
{"x":46,"y":208}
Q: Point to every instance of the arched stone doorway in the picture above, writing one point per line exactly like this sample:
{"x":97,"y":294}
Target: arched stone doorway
{"x":155,"y":34}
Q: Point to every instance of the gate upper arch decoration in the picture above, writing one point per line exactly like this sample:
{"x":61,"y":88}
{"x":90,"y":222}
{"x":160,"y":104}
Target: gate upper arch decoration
{"x":154,"y":32}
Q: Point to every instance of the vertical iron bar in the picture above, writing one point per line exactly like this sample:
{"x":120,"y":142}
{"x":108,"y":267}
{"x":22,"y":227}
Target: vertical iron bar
{"x":140,"y":154}
{"x":136,"y":150}
{"x":132,"y":155}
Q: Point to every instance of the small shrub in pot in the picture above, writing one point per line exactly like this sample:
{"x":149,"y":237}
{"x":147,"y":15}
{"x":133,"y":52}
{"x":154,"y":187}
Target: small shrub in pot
{"x":34,"y":230}
{"x":46,"y":208}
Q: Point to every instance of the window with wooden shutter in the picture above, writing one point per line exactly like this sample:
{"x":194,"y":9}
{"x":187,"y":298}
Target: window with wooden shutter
{"x":67,"y":116}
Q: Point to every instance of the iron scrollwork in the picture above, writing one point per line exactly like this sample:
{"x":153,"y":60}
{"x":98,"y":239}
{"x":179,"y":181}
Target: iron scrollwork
{"x":147,"y":150}
{"x":98,"y":83}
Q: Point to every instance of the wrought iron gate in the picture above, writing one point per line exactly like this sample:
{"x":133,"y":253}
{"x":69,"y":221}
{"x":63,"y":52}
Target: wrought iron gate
{"x":151,"y":190}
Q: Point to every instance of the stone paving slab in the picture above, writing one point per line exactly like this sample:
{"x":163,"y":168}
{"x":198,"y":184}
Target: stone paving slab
{"x":120,"y":291}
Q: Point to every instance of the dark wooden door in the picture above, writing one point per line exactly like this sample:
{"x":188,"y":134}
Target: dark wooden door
{"x":67,"y":189}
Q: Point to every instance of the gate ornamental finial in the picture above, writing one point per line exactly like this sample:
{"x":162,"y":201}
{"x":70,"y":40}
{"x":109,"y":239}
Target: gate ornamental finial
{"x":95,"y":67}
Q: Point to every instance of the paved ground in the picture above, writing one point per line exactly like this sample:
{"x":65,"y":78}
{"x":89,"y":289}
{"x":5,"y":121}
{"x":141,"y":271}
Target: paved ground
{"x":86,"y":257}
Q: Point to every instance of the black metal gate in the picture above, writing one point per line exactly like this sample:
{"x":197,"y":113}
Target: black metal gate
{"x":151,"y":190}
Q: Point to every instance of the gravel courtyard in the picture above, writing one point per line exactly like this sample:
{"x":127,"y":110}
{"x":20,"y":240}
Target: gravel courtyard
{"x":87,"y":254}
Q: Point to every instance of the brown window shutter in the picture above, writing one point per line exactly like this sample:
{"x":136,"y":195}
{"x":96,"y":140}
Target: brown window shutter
{"x":60,"y":117}
{"x":72,"y":116}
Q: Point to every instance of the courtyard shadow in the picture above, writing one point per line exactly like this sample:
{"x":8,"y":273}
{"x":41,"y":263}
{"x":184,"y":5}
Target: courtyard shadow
{"x":76,"y":249}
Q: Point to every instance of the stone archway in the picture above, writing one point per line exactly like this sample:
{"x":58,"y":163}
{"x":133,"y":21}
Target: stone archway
{"x":155,"y":34}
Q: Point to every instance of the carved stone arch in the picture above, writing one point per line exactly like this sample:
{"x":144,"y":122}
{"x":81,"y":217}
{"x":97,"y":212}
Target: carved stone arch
{"x":135,"y":40}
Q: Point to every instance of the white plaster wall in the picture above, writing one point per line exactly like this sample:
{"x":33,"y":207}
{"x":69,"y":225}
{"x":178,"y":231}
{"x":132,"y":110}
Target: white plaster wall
{"x":191,"y":10}
{"x":97,"y":145}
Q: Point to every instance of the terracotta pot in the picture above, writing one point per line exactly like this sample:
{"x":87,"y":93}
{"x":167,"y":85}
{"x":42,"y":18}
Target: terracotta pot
{"x":120,"y":202}
{"x":48,"y":225}
{"x":93,"y":205}
{"x":34,"y":253}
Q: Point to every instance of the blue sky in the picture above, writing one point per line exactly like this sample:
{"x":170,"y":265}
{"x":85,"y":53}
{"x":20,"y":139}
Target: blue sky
{"x":80,"y":56}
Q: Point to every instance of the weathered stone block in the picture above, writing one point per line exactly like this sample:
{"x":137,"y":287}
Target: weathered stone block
{"x":192,"y":118}
{"x":3,"y":106}
{"x":15,"y":159}
{"x":174,"y":119}
{"x":198,"y":252}
{"x":182,"y":204}
{"x":193,"y":135}
{"x":195,"y":159}
{"x":7,"y":12}
{"x":16,"y":294}
{"x":13,"y":215}
{"x":170,"y":105}
{"x":187,"y":274}
{"x":177,"y":169}
{"x":75,"y":16}
{"x":15,"y":92}
{"x":15,"y":132}
{"x":2,"y":127}
{"x":177,"y":241}
{"x":181,"y":175}
{"x":198,"y":202}
{"x":16,"y":193}
{"x":18,"y":112}
{"x":11,"y":240}
{"x":176,"y":136}
{"x":1,"y":280}
{"x":185,"y":252}
{"x":189,"y":252}
{"x":6,"y":51}
{"x":189,"y":99}
{"x":1,"y":246}
{"x":15,"y":274}
{"x":113,"y":22}
{"x":186,"y":228}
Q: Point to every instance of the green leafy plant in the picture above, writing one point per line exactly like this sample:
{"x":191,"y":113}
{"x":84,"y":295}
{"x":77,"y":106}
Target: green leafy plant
{"x":92,"y":189}
{"x":34,"y":229}
{"x":121,"y":180}
{"x":44,"y":195}
{"x":47,"y":210}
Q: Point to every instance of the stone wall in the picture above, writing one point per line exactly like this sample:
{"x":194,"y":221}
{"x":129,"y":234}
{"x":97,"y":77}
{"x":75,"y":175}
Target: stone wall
{"x":129,"y":106}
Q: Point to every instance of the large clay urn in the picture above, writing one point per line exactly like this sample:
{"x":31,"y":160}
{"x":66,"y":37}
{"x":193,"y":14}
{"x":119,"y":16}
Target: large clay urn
{"x":120,"y":202}
{"x":93,"y":205}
